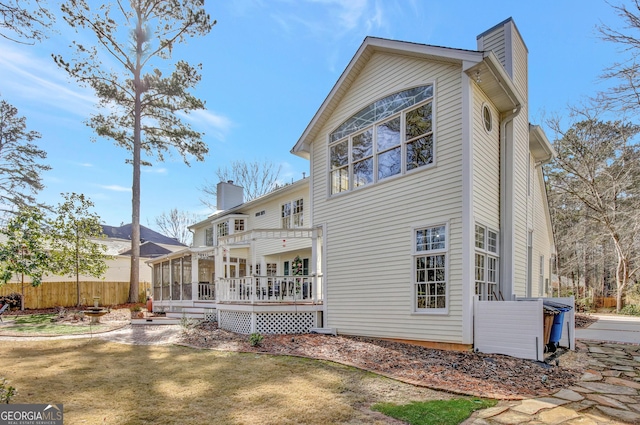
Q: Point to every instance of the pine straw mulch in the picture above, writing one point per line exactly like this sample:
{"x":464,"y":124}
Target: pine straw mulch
{"x":476,"y":374}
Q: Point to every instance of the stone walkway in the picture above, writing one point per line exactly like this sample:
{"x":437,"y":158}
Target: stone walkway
{"x":134,"y":335}
{"x":608,"y":393}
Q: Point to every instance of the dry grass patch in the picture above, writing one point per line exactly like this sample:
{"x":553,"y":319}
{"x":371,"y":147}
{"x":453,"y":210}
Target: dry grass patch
{"x":101,"y":382}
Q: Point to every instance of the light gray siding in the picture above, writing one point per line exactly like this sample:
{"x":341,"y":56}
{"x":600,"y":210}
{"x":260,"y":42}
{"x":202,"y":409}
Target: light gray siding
{"x":486,"y":164}
{"x":369,"y":231}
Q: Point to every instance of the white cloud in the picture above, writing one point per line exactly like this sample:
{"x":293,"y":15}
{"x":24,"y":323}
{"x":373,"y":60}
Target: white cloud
{"x":331,"y":18}
{"x":41,"y":80}
{"x":211,"y":123}
{"x":116,"y":188}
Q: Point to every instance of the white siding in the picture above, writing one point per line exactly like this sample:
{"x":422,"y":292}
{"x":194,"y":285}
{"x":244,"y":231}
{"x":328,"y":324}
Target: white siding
{"x":495,"y":42}
{"x":521,"y":164}
{"x":514,"y":328}
{"x":486,"y":164}
{"x":369,"y":232}
{"x":542,"y":235}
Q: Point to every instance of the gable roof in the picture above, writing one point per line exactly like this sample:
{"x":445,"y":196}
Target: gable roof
{"x":495,"y":82}
{"x":146,"y":234}
{"x":150,"y":249}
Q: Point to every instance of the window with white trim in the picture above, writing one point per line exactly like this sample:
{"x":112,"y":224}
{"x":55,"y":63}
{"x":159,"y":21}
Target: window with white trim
{"x":208,"y":236}
{"x":486,"y":263}
{"x":430,"y":268}
{"x":292,"y":214}
{"x":238,"y":225}
{"x":391,"y":136}
{"x":222,"y":229}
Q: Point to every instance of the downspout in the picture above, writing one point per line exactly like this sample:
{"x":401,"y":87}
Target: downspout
{"x":506,"y":214}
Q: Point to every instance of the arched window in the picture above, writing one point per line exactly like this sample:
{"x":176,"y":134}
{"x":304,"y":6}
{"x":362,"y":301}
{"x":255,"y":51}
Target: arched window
{"x":390,"y":136}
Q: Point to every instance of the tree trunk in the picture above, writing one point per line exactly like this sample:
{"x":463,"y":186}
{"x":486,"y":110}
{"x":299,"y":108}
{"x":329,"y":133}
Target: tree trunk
{"x":137,"y":142}
{"x":622,"y":274}
{"x":77,"y":268}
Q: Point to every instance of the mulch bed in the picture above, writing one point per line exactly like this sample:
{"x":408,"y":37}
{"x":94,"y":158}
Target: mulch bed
{"x":476,"y":374}
{"x":584,"y":320}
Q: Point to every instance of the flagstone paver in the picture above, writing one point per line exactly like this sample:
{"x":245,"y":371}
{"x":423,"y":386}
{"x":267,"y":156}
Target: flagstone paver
{"x":567,"y":394}
{"x":603,"y":400}
{"x":592,"y":375}
{"x":608,"y":393}
{"x":623,"y":415}
{"x":557,"y":415}
{"x":604,"y":388}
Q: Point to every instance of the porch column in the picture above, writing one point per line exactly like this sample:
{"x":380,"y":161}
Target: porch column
{"x":195,"y":277}
{"x":257,"y":282}
{"x":314,"y":263}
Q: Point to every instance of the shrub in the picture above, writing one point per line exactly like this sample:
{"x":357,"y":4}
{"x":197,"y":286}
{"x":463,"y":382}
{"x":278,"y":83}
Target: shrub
{"x":14,"y":300}
{"x":187,"y":322}
{"x":6,"y":391}
{"x":630,"y":310}
{"x":255,"y":339}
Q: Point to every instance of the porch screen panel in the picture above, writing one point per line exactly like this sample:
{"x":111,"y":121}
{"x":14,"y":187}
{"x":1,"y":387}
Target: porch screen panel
{"x":165,"y":280}
{"x":206,"y":286}
{"x":157,"y":282}
{"x":186,"y":278}
{"x":175,"y":278}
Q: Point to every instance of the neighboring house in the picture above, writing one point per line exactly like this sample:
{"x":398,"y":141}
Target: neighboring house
{"x":114,"y":284}
{"x":118,"y":243}
{"x":426,"y":195}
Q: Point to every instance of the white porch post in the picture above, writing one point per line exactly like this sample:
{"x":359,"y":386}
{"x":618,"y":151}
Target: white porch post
{"x":218,"y":270}
{"x":194,"y":277}
{"x":314,"y":263}
{"x":258,"y":282}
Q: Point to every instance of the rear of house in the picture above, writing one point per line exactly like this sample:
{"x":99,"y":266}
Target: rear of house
{"x":427,"y":184}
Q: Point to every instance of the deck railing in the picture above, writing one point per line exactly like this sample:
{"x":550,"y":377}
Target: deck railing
{"x":271,"y":289}
{"x":206,"y":291}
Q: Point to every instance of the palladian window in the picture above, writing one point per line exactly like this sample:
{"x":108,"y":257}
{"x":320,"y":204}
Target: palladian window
{"x":389,"y":137}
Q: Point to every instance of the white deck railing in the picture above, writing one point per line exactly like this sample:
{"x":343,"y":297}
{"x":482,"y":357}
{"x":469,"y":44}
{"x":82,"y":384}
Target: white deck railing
{"x":271,"y":289}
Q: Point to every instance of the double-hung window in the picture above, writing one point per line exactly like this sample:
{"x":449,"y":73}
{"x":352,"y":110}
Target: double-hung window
{"x":208,"y":236}
{"x":393,"y":135}
{"x":222,"y":229}
{"x":292,"y":214}
{"x":486,"y":263}
{"x":430,"y":269}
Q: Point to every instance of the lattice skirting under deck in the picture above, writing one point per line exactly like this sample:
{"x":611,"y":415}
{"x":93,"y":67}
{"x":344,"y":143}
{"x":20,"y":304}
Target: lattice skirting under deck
{"x":235,"y":321}
{"x":268,"y":323}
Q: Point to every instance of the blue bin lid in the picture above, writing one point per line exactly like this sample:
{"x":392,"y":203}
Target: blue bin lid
{"x":559,"y":306}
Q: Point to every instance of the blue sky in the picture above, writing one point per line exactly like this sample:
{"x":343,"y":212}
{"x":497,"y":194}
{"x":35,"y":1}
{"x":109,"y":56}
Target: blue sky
{"x":267,"y":67}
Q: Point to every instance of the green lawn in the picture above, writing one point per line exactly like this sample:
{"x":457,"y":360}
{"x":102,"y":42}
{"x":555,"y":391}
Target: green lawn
{"x":441,"y":412}
{"x":44,"y":325}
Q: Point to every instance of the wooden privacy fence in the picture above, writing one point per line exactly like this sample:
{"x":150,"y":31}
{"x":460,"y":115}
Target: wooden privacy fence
{"x":606,"y":302}
{"x":54,"y":294}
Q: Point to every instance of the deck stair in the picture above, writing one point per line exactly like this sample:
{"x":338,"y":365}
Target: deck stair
{"x":199,"y":313}
{"x":155,"y":320}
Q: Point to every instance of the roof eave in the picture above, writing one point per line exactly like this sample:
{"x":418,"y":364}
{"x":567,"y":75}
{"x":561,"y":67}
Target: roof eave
{"x":494,"y":81}
{"x":539,"y":145}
